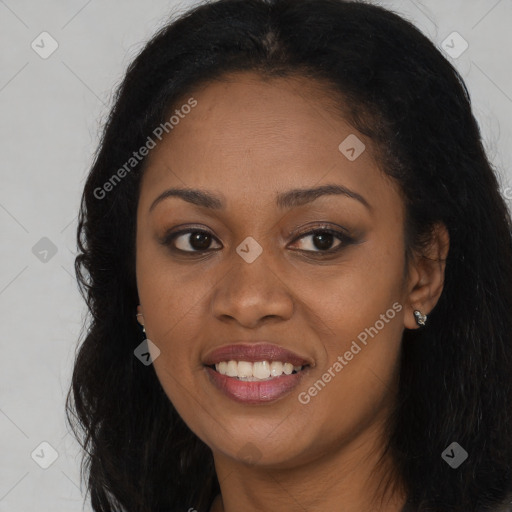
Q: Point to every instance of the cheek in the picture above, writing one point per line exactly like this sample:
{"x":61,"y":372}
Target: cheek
{"x":357,"y":383}
{"x":359,"y":309}
{"x":172,"y":294}
{"x":171,"y":301}
{"x":174,"y":313}
{"x":349,"y":297}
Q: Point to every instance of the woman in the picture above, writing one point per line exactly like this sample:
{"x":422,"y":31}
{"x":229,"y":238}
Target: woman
{"x":293,"y":200}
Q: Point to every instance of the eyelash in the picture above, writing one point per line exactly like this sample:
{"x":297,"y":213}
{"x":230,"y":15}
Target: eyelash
{"x":341,"y":236}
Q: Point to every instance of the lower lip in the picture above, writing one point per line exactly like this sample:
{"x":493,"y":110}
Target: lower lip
{"x":255,"y":392}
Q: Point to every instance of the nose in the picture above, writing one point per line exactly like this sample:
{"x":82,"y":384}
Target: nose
{"x":252,"y":293}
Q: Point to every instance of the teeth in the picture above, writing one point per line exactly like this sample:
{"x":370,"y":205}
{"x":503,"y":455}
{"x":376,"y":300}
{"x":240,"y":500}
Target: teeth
{"x":260,"y":370}
{"x":276,"y":368}
{"x":231,"y":368}
{"x":244,"y":369}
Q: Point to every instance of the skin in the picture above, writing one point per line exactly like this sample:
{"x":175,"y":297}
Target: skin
{"x":247,"y":140}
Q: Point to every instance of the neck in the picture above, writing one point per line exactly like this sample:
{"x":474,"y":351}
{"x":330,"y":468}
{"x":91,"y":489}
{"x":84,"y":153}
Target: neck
{"x":347,"y":479}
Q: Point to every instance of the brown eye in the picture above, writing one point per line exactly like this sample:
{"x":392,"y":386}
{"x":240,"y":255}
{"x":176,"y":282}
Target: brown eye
{"x":322,"y":240}
{"x":190,"y":240}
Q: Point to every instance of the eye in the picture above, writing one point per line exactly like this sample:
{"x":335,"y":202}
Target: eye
{"x":323,"y":239}
{"x":199,"y":241}
{"x":189,"y":240}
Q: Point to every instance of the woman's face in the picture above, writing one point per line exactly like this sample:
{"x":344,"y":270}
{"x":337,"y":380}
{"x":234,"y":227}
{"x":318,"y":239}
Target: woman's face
{"x":255,"y":273}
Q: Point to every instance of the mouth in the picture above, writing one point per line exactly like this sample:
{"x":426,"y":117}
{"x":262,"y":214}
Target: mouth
{"x":255,"y":373}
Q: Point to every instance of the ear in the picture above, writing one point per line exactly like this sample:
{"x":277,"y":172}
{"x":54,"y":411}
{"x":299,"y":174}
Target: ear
{"x":426,"y":275}
{"x":140,"y":318}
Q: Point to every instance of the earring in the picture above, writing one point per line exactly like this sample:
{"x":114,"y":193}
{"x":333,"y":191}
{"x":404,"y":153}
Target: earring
{"x":420,"y":319}
{"x":143,"y":327}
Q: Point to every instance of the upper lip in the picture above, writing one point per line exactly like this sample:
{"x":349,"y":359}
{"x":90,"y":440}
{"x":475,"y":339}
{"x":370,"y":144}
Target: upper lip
{"x":253,"y":352}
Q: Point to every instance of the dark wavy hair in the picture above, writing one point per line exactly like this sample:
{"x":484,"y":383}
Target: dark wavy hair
{"x":395,"y":87}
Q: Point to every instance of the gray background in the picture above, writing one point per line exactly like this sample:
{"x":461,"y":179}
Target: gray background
{"x":51,"y":112}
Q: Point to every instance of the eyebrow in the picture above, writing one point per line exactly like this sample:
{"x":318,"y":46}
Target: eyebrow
{"x":284,"y":200}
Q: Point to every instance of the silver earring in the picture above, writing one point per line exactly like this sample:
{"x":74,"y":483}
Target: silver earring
{"x":143,"y":327}
{"x":420,"y":319}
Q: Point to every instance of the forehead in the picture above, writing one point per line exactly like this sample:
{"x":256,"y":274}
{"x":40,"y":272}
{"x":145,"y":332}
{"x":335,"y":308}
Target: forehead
{"x":248,"y":135}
